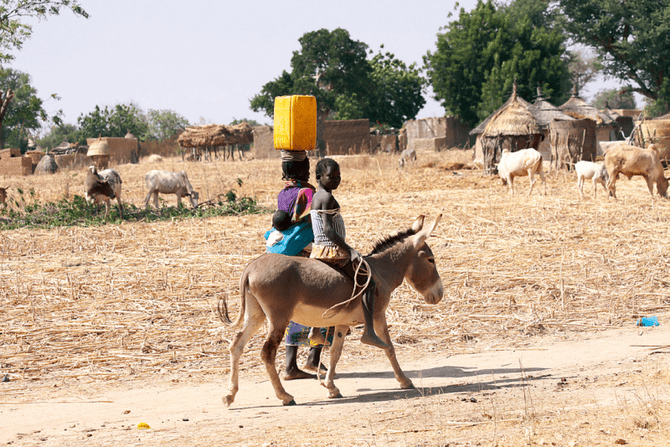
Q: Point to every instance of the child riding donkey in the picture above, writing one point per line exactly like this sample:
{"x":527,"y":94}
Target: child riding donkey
{"x":330,"y":246}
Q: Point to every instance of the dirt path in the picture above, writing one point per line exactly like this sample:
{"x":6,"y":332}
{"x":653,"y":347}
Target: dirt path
{"x":609,"y":386}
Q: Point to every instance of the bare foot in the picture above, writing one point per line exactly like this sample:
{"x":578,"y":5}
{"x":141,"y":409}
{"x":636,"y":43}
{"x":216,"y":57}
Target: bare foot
{"x":317,"y":337}
{"x":312,"y":368}
{"x":374,"y":340}
{"x":297,"y":374}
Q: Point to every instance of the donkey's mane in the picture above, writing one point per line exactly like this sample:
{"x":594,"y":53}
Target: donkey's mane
{"x":390,"y":241}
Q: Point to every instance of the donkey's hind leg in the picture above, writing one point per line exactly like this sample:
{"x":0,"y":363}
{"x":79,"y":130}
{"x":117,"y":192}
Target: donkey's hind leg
{"x":269,"y":355}
{"x":253,"y":319}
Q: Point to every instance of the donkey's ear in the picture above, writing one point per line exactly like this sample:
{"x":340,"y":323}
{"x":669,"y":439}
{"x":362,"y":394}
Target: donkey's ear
{"x":423,"y":234}
{"x":418,"y":224}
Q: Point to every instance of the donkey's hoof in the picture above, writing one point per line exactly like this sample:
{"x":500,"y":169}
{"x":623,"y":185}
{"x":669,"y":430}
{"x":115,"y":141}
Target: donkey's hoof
{"x":408,"y":386}
{"x":228,"y":400}
{"x":336,"y":396}
{"x":290,"y":403}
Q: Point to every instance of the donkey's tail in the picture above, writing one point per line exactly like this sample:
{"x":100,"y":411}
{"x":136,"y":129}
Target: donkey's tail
{"x":222,"y":307}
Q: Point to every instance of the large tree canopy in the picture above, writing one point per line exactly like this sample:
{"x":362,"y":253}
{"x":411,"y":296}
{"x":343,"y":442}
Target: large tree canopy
{"x":333,"y":68}
{"x":115,"y":122}
{"x":632,"y":37}
{"x":479,"y":55}
{"x":614,"y":99}
{"x":162,"y":124}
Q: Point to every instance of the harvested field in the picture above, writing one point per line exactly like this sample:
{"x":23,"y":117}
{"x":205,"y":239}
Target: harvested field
{"x":90,"y":308}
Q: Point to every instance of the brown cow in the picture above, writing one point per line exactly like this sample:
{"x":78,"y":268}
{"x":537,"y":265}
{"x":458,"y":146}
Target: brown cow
{"x":103,"y":187}
{"x":633,"y":160}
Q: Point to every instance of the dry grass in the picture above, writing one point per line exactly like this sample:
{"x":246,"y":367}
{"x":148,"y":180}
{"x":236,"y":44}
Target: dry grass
{"x":135,"y":300}
{"x":132,"y":299}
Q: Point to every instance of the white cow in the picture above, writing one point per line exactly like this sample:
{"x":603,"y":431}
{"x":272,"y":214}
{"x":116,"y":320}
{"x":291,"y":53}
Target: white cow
{"x":519,"y":164}
{"x":165,"y":182}
{"x":591,"y":170}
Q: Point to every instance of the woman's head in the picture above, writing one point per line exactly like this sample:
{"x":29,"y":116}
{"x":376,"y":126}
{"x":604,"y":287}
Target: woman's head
{"x":296,"y":170}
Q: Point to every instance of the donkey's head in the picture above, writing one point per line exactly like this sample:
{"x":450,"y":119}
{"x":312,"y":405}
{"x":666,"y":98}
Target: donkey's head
{"x":422,"y":272}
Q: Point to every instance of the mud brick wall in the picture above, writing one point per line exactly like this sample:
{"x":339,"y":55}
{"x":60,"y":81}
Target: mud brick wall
{"x":347,"y":137}
{"x":122,"y":150}
{"x":430,"y":144}
{"x":9,"y":153}
{"x":448,"y":127}
{"x":16,"y":166}
{"x":264,"y":143}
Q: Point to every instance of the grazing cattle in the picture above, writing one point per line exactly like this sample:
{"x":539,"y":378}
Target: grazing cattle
{"x":591,"y":170}
{"x":633,"y":160}
{"x":103,"y":186}
{"x":165,"y":182}
{"x":519,"y":164}
{"x":3,"y":196}
{"x":408,"y":156}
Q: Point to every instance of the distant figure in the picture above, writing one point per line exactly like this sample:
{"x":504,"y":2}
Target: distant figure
{"x":408,"y":156}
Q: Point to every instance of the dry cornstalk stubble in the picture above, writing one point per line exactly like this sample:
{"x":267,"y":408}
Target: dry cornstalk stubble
{"x":135,"y":299}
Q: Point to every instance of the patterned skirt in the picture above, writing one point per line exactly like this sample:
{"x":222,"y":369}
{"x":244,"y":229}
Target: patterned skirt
{"x":297,"y":335}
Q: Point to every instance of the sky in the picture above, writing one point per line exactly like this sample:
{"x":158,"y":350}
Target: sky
{"x":205,"y":59}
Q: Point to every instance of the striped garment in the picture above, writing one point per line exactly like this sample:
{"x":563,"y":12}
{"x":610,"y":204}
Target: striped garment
{"x":320,"y":237}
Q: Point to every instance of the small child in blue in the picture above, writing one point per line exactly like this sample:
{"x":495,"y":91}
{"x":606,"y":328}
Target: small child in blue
{"x":330,"y":247}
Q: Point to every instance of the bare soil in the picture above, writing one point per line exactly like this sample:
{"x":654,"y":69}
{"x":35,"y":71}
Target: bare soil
{"x":587,"y":389}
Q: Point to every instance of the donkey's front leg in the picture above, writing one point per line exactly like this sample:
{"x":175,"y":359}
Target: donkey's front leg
{"x":382,"y":328}
{"x":268,"y":355}
{"x":335,"y":353}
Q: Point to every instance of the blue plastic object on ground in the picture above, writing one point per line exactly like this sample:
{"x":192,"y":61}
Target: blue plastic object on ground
{"x":648,"y":321}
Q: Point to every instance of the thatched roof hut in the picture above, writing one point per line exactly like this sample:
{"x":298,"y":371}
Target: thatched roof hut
{"x":512,"y":127}
{"x":577,"y":108}
{"x":657,"y":131}
{"x":572,"y":141}
{"x":214,"y":135}
{"x":545,"y":112}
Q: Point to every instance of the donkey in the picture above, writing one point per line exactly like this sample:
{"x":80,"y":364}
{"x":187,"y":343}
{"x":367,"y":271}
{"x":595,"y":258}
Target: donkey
{"x":312,"y":293}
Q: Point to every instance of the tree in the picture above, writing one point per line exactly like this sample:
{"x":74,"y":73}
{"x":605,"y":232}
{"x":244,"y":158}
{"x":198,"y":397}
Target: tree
{"x":396,"y":91}
{"x":23,"y":113}
{"x":479,"y":55}
{"x":252,"y":123}
{"x":334,"y":68}
{"x":59,"y":133}
{"x":615,"y":98}
{"x":117,"y":122}
{"x":632,"y":38}
{"x":164,"y":124}
{"x":13,"y":31}
{"x":583,"y":69}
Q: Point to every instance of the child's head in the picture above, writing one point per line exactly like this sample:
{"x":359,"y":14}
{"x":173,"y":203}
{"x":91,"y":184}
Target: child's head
{"x":323,"y":165}
{"x":281,"y":220}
